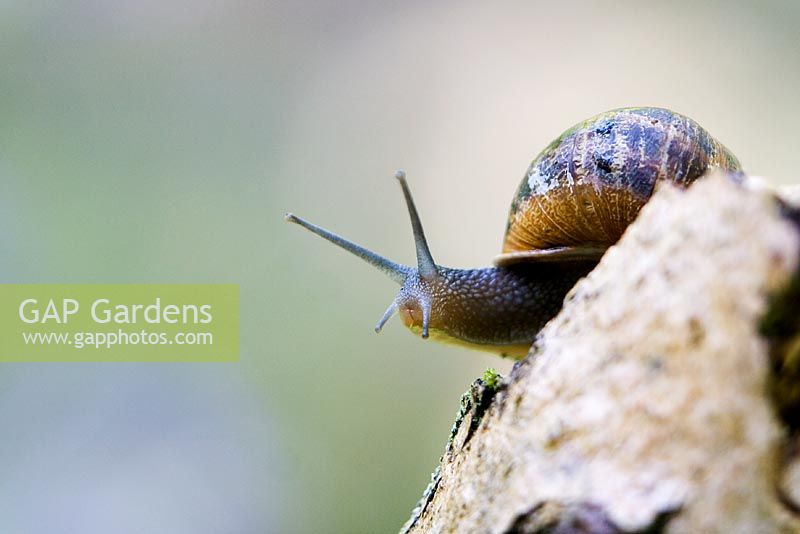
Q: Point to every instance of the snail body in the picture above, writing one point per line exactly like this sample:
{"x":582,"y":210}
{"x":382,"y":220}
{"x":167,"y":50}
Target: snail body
{"x":576,"y":199}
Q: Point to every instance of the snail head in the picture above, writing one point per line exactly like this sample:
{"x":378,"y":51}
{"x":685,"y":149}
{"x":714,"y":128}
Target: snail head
{"x":420,"y":286}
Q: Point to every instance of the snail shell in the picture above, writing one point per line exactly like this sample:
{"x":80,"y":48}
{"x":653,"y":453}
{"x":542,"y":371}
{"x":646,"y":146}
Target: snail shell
{"x":582,"y":191}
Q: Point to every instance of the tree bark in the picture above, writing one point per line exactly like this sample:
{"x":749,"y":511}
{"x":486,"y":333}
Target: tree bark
{"x":663,"y":397}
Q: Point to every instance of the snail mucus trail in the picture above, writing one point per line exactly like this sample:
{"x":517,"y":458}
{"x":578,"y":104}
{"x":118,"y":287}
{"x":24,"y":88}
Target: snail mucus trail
{"x":500,"y":309}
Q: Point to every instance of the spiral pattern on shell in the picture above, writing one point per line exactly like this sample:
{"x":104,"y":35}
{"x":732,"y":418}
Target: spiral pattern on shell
{"x":589,"y":184}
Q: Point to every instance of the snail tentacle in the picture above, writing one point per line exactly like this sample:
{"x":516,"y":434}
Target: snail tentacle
{"x":390,"y":311}
{"x":395,"y":271}
{"x":425,"y":264}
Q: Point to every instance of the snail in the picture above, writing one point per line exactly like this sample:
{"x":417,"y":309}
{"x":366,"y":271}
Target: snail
{"x":575,"y":201}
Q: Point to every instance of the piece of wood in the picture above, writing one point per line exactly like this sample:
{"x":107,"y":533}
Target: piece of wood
{"x":646,"y":403}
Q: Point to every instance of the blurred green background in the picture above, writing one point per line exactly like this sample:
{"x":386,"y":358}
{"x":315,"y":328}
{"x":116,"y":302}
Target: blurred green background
{"x":155,"y":141}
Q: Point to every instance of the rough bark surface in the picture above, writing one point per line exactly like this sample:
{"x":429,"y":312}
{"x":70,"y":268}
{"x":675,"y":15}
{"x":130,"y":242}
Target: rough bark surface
{"x":647,"y":404}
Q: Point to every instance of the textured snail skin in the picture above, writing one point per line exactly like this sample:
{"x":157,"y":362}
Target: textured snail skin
{"x":499,"y":309}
